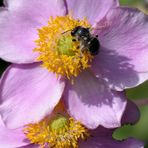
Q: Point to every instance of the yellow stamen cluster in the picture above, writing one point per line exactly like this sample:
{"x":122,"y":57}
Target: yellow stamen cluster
{"x":57,"y":51}
{"x":58,"y":133}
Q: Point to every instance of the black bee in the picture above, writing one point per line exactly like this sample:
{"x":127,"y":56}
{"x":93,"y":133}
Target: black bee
{"x":87,"y":41}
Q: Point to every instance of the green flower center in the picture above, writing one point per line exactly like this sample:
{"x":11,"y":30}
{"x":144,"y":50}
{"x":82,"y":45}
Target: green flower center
{"x":65,"y":45}
{"x":58,"y":123}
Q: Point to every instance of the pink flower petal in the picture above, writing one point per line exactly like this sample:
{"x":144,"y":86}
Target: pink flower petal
{"x":123,"y":58}
{"x":28,"y":93}
{"x":103,"y":139}
{"x":11,"y":137}
{"x":90,"y":101}
{"x":30,"y":146}
{"x":94,"y":10}
{"x":18,"y":27}
{"x":131,"y":114}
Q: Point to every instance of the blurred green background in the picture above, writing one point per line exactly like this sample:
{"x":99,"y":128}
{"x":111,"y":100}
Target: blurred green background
{"x":140,"y":130}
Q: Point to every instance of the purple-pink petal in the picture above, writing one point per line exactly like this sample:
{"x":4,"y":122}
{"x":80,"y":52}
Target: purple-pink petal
{"x":19,"y":21}
{"x":103,"y":139}
{"x":11,"y":137}
{"x":93,"y":10}
{"x":28,"y":93}
{"x":131,"y":114}
{"x":90,"y":101}
{"x":123,"y":58}
{"x":30,"y":146}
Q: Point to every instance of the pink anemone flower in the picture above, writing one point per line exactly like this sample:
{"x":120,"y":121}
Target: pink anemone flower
{"x":35,"y":36}
{"x":98,"y":138}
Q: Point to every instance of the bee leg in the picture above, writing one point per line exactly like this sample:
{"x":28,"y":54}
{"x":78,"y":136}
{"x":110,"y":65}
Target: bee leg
{"x":74,"y":40}
{"x":78,"y":47}
{"x":82,"y":46}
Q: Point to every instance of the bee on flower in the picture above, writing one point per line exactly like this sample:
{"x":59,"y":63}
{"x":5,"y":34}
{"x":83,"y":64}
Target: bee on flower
{"x":50,"y":65}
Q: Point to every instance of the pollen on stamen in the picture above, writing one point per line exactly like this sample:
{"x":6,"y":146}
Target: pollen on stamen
{"x":57,"y":51}
{"x":61,"y":132}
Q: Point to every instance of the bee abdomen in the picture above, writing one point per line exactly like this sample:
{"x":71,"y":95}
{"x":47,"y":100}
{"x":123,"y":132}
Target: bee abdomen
{"x":94,"y":45}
